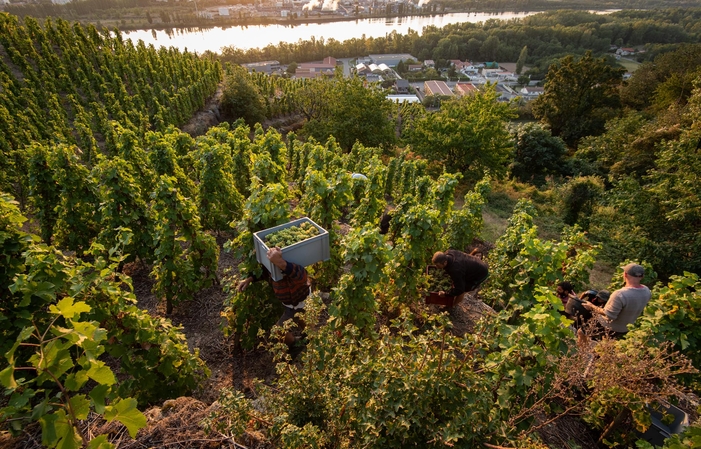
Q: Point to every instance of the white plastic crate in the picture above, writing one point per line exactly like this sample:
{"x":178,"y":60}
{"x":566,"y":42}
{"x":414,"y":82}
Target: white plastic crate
{"x":309,"y":251}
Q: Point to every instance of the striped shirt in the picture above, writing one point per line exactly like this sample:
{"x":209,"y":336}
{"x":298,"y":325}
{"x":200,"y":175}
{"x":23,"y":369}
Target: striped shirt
{"x":293,"y":287}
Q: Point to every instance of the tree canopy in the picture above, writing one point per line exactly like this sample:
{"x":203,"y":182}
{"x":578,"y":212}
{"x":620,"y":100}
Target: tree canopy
{"x":580,"y":96}
{"x":468,"y":134}
{"x":346,"y":109}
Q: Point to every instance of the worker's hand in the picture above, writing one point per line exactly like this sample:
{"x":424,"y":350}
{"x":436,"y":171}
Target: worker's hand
{"x":275,"y":257}
{"x":592,"y":308}
{"x":441,"y":293}
{"x":244,"y":284}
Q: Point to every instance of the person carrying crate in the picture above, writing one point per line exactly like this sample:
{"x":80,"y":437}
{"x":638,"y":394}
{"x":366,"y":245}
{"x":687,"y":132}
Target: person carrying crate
{"x":466,"y":271}
{"x":291,"y":290}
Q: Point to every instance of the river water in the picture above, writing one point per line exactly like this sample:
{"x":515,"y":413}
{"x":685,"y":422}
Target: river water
{"x":258,"y":36}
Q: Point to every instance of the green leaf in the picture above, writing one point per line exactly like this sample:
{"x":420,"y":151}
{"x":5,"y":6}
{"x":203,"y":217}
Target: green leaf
{"x":125,"y":411}
{"x":101,"y":374}
{"x":80,"y":406}
{"x":68,"y":309}
{"x":100,"y":442}
{"x":75,"y":381}
{"x":57,"y":431}
{"x":98,"y":395}
{"x":7,"y":377}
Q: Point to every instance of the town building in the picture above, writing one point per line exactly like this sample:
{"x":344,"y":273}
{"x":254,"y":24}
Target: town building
{"x":391,"y":60}
{"x":315,"y":69}
{"x":437,"y":88}
{"x":403,"y":98}
{"x":532,"y":91}
{"x":263,"y":66}
{"x":402,"y":86}
{"x":465,"y":89}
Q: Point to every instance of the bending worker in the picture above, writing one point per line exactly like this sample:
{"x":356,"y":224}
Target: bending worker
{"x":466,"y":271}
{"x":625,"y":304}
{"x":291,"y":290}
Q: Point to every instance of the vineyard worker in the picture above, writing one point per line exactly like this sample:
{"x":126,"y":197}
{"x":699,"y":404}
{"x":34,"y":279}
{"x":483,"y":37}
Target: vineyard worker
{"x":565,"y":291}
{"x":466,"y":271}
{"x":575,"y":310}
{"x":291,"y":290}
{"x":625,"y":305}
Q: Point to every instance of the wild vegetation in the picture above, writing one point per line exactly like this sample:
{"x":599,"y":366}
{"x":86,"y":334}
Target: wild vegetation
{"x":122,"y":185}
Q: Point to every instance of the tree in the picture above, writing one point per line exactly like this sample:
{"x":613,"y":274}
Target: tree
{"x":362,"y":116}
{"x":468,"y":134}
{"x":490,"y":48}
{"x":668,"y":80}
{"x":537,"y":154}
{"x":522,"y":57}
{"x":580,"y":96}
{"x":241,"y":97}
{"x":291,"y":68}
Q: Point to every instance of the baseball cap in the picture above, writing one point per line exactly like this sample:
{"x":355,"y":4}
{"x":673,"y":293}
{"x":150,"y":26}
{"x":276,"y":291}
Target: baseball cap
{"x":604,"y":295}
{"x":633,"y":269}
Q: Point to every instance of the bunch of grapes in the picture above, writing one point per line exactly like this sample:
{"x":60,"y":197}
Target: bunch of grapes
{"x":438,"y":280}
{"x":290,"y":236}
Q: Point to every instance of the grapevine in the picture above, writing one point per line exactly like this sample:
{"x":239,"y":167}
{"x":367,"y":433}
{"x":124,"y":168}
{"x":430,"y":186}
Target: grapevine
{"x":438,"y":280}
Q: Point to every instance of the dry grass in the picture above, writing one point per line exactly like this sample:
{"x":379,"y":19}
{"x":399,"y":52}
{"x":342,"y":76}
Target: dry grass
{"x":494,"y":226}
{"x":600,"y":275}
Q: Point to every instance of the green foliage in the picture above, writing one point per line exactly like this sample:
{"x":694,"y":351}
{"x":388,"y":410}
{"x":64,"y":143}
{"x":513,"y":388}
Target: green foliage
{"x":180,"y":271}
{"x":537,"y":154}
{"x":521,"y":263}
{"x":249,"y":311}
{"x":666,"y":81}
{"x":417,"y":237}
{"x":363,"y":115}
{"x":579,"y":197}
{"x":655,"y":218}
{"x":44,"y":191}
{"x":466,"y":223}
{"x":690,"y":438}
{"x":579,"y":97}
{"x":522,"y":58}
{"x":77,"y":209}
{"x":361,"y":391}
{"x":467,"y":134}
{"x":671,"y":316}
{"x":372,"y":203}
{"x":324,"y":201}
{"x":66,"y":356}
{"x":354,"y":303}
{"x":241,"y":97}
{"x":219,"y":202}
{"x":122,"y":206}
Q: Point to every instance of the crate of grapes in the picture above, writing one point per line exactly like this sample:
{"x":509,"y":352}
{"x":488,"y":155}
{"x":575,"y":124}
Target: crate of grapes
{"x":302,"y":242}
{"x":438,"y":280}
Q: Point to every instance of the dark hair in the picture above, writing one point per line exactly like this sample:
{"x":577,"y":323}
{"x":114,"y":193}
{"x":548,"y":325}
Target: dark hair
{"x":588,"y":295}
{"x":566,"y":286}
{"x":439,"y":257}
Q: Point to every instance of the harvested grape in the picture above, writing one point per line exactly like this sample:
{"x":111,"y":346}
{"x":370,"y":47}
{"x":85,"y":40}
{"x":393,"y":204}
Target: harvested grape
{"x":290,"y":236}
{"x":439,"y":280}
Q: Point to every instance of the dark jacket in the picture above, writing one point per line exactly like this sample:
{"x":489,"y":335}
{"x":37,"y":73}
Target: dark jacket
{"x":467,"y":272}
{"x":576,"y":311}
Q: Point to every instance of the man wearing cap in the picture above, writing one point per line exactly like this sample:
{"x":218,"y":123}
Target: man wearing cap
{"x":626,"y":304}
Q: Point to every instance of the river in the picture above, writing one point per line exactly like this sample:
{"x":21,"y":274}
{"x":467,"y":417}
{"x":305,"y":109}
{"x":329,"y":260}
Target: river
{"x":258,"y":36}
